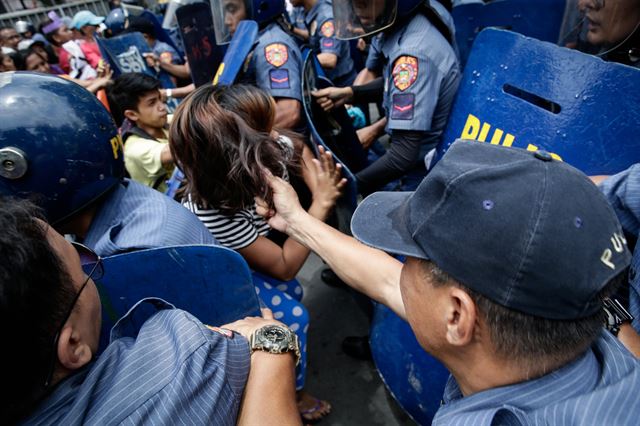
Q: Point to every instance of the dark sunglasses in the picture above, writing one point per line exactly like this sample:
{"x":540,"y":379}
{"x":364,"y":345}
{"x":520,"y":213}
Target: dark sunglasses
{"x":93,"y":268}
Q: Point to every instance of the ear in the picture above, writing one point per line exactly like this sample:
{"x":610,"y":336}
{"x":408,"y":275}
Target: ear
{"x":461,"y":317}
{"x":73,"y":352}
{"x":132,"y":115}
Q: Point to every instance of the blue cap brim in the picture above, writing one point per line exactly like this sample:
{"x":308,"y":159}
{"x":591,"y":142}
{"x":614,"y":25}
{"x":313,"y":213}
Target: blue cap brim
{"x":380,"y":221}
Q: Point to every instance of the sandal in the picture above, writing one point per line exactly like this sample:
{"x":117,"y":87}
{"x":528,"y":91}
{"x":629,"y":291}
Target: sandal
{"x":316,"y":413}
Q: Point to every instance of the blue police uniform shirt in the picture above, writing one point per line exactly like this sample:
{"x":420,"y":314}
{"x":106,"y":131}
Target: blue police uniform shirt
{"x":319,"y":21}
{"x":623,"y":192}
{"x":275,"y":64}
{"x":162,"y":366}
{"x":161,"y":48}
{"x":134,"y":217}
{"x":297,"y":17}
{"x":421,"y":74}
{"x":598,"y":388}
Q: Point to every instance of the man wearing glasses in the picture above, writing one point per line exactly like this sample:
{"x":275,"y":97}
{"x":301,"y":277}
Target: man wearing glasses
{"x":171,"y":367}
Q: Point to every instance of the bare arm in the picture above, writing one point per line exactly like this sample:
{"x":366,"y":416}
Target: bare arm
{"x":328,"y":61}
{"x":270,"y":394}
{"x":180,"y":71}
{"x":288,"y":113}
{"x":365,"y":76}
{"x":630,"y":339}
{"x":368,"y":270}
{"x":165,"y":157}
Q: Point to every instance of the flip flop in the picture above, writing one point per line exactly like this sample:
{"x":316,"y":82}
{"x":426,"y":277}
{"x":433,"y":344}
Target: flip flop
{"x":319,"y":406}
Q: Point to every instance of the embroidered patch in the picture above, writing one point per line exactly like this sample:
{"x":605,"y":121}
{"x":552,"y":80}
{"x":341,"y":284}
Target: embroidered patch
{"x":166,"y":57}
{"x":327,"y":29}
{"x":223,"y":331}
{"x":405,"y":72}
{"x":402,"y":106}
{"x":279,"y":79}
{"x":327,"y":42}
{"x":276,"y":54}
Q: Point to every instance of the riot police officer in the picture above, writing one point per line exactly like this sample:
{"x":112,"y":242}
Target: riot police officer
{"x":275,"y":62}
{"x":412,"y":53}
{"x":60,"y":147}
{"x":334,"y":55}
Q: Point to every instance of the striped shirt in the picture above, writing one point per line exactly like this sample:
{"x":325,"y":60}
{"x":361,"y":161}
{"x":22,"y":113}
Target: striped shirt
{"x":233,"y":231}
{"x":163,"y":366}
{"x":135,"y":217}
{"x":599,"y":388}
{"x":623,"y":192}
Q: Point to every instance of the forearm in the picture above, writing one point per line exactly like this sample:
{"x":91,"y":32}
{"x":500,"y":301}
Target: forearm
{"x":368,"y":270}
{"x":287,"y":113}
{"x":369,"y":92}
{"x":328,"y":61}
{"x":630,"y":339}
{"x":270,"y":395}
{"x":364,"y":76}
{"x":179,"y":71}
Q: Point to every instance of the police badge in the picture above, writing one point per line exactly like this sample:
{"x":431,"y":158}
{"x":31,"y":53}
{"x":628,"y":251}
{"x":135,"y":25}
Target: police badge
{"x":276,"y":54}
{"x":405,"y":72}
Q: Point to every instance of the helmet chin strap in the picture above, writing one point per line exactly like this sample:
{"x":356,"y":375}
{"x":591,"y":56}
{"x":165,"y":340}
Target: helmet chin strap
{"x":633,"y":52}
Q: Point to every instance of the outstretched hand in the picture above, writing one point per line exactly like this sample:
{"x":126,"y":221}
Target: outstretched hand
{"x":329,"y":180}
{"x":247,"y":326}
{"x":333,"y":97}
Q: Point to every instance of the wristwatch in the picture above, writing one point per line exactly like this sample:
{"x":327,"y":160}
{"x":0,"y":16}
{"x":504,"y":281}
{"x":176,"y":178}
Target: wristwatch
{"x":616,"y":315}
{"x":275,"y":339}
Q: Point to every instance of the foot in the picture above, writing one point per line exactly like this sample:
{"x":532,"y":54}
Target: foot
{"x":311,"y":408}
{"x":357,"y":347}
{"x":331,"y":279}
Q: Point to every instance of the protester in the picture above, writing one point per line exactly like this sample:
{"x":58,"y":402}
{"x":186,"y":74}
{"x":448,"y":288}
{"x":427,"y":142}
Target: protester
{"x":510,"y":255}
{"x":136,"y":97}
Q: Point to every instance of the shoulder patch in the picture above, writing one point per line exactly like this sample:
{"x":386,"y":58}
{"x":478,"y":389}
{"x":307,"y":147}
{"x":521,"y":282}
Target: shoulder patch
{"x":405,"y":72}
{"x":166,"y":57}
{"x":327,"y":29}
{"x":276,"y":54}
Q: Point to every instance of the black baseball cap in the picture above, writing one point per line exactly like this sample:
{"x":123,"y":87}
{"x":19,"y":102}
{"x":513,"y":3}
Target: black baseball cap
{"x":526,"y":231}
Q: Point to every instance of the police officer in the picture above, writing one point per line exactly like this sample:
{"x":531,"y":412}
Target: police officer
{"x":412,"y":52}
{"x":334,"y":55}
{"x":275,"y":63}
{"x":60,"y":147}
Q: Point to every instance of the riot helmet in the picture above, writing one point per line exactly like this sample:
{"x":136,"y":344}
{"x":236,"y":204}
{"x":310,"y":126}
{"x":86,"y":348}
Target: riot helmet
{"x":609,"y":29}
{"x":116,"y":21}
{"x":58,"y":145}
{"x":360,"y":18}
{"x":228,"y":13}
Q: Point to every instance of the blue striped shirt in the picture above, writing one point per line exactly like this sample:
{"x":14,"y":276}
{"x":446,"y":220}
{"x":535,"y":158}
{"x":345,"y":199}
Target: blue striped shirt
{"x":135,"y":217}
{"x":623,"y":192}
{"x":163,"y":366}
{"x":601,"y":387}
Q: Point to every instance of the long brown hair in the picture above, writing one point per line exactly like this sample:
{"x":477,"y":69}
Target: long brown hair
{"x":222,"y":152}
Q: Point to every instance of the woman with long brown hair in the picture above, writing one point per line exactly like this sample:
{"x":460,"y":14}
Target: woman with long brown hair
{"x":222,"y":138}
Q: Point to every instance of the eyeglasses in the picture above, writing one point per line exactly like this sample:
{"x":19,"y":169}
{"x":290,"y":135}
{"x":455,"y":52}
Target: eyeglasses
{"x":93,"y":268}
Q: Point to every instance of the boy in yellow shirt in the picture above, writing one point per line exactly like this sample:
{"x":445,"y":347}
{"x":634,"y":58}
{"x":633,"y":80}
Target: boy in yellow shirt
{"x":136,"y":97}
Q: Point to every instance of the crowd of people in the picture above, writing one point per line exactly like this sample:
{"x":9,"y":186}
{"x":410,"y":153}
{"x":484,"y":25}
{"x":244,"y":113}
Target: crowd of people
{"x":513,"y":269}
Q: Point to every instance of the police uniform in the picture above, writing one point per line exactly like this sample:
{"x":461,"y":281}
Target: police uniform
{"x":421,"y":76}
{"x":275,"y":64}
{"x":322,"y":37}
{"x":297,"y":18}
{"x":164,"y":50}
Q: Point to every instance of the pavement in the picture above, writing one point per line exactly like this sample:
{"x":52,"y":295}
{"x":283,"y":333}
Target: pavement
{"x":353,"y":387}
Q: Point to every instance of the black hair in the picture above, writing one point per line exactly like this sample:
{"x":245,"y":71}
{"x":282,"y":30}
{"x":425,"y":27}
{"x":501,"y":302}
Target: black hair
{"x":126,"y":91}
{"x":142,"y":25}
{"x":35,"y":293}
{"x":539,"y":344}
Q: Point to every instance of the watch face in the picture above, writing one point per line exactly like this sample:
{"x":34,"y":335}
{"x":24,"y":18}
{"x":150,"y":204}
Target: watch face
{"x":275,"y":334}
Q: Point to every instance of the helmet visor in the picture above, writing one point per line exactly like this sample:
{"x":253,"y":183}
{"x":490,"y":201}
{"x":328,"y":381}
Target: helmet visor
{"x":227,"y":14}
{"x":359,"y":18}
{"x":602,"y":27}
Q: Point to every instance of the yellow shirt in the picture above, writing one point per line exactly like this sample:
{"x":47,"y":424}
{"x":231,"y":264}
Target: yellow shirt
{"x":142,"y":158}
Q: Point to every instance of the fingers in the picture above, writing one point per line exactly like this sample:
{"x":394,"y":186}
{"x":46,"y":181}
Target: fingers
{"x":266,"y":313}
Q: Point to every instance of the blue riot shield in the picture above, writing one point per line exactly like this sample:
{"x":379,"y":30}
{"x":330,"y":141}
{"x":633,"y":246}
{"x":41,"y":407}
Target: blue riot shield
{"x":335,"y":133}
{"x":205,"y":55}
{"x":125,"y":53}
{"x":237,"y":54}
{"x":212,"y":283}
{"x":525,"y":93}
{"x":539,"y":19}
{"x":415,"y":379}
